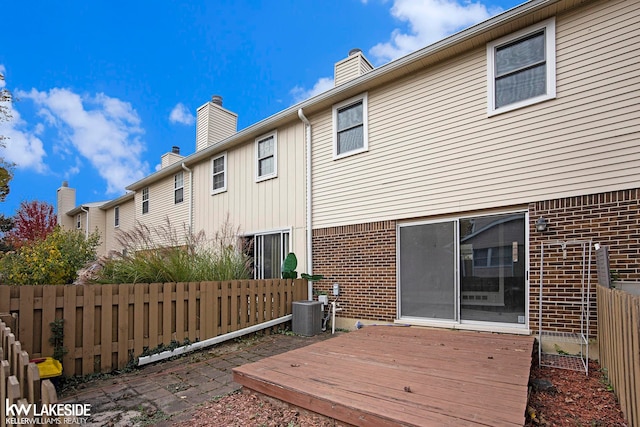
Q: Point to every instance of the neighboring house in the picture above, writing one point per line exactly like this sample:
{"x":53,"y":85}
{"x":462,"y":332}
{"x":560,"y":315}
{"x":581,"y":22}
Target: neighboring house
{"x":417,"y":185}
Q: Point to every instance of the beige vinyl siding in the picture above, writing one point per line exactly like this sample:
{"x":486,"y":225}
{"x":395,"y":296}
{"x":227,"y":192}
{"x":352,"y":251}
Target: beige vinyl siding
{"x":433,"y":150}
{"x":127,"y":222}
{"x":162,"y":206}
{"x":214,"y":123}
{"x":251,"y":206}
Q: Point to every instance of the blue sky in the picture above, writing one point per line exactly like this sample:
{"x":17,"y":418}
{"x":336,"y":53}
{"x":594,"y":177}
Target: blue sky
{"x":103,"y":89}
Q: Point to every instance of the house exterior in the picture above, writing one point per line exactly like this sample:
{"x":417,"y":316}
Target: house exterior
{"x":417,"y":186}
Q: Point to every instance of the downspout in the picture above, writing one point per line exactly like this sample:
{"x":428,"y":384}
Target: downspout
{"x":307,"y":126}
{"x":190,"y":196}
{"x":86,"y":231}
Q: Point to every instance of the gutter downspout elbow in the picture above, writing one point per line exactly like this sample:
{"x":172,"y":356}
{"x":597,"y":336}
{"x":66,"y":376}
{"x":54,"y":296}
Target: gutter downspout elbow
{"x":307,"y":124}
{"x":190,"y":196}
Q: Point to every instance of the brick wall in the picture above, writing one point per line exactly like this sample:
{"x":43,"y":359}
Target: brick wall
{"x":362,"y":259}
{"x":610,"y":219}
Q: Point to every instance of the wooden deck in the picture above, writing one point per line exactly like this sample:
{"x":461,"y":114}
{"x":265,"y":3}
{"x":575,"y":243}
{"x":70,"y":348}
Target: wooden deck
{"x":395,"y":375}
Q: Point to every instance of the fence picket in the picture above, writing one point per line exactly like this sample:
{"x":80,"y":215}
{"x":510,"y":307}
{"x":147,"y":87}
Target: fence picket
{"x":154,"y":319}
{"x":180,"y":313}
{"x":48,"y":316}
{"x":139,"y":291}
{"x":88,"y":337}
{"x":192,"y":326}
{"x":123,"y":324}
{"x":25,"y":325}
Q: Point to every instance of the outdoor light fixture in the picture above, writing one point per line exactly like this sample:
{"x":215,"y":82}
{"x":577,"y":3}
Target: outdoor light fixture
{"x":541,"y":224}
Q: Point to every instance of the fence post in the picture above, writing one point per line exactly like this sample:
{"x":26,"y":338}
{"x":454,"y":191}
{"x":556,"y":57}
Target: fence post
{"x":4,"y":378}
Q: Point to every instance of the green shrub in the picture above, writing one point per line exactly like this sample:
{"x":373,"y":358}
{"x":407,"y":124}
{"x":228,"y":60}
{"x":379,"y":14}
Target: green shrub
{"x":55,"y":260}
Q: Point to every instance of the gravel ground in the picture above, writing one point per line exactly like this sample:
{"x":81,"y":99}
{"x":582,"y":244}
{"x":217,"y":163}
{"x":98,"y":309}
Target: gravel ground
{"x":572,"y":400}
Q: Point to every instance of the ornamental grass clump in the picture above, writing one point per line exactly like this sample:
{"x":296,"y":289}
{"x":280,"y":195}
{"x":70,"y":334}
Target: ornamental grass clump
{"x":54,"y":260}
{"x":162,"y":254}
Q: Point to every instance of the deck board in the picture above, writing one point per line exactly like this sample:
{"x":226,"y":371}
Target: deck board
{"x":454,"y":377}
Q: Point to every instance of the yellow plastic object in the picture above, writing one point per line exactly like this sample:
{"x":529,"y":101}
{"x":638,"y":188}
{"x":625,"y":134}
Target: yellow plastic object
{"x":48,"y":367}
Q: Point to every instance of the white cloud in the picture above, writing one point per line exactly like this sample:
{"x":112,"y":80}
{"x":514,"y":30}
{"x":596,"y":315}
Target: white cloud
{"x":181,"y":114}
{"x":428,"y":21}
{"x":106,"y":131}
{"x":22,"y":147}
{"x":322,"y":85}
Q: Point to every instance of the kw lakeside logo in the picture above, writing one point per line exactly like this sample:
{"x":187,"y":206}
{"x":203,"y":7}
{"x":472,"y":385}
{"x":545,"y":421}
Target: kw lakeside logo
{"x":54,"y":413}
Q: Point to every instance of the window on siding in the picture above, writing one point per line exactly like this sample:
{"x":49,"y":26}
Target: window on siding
{"x":521,"y":68}
{"x":178,"y":187}
{"x":145,"y":200}
{"x":267,"y":252}
{"x":78,"y":221}
{"x":116,"y":216}
{"x":267,"y":156}
{"x":350,"y":127}
{"x":219,"y":174}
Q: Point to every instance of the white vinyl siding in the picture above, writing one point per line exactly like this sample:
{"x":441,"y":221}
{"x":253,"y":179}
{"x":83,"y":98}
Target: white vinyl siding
{"x":162,"y":209}
{"x":350,"y":127}
{"x":267,"y":156}
{"x":521,"y":68}
{"x":219,"y":174}
{"x":433,"y":150}
{"x":251,"y":207}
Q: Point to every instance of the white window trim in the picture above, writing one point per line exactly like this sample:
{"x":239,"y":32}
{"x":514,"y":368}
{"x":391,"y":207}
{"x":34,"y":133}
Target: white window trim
{"x":116,"y":216}
{"x":549,"y":26}
{"x":364,"y":97}
{"x":79,"y":221}
{"x":224,"y":172}
{"x":274,"y":174}
{"x":289,"y":231}
{"x":145,"y":200}
{"x":176,"y":188}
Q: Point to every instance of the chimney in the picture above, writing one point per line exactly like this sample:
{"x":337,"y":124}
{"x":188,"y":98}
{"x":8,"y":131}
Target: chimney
{"x":65,"y":201}
{"x":353,"y":66}
{"x":170,"y":158}
{"x":214,"y":123}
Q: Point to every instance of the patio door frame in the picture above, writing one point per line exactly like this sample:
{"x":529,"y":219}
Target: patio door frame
{"x":457,"y":322}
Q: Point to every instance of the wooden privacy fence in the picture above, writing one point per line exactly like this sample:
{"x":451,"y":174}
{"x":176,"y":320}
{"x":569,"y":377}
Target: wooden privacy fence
{"x":619,"y":347}
{"x":107,"y":326}
{"x":20,"y":382}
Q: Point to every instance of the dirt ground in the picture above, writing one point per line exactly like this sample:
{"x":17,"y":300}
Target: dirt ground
{"x":571,"y":399}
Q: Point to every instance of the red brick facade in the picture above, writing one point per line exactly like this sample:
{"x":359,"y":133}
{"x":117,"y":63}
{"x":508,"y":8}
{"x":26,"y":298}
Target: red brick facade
{"x":610,"y":219}
{"x":362,"y":258}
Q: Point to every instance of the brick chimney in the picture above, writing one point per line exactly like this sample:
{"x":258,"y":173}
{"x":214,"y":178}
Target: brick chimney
{"x":353,"y":66}
{"x":214,"y":123}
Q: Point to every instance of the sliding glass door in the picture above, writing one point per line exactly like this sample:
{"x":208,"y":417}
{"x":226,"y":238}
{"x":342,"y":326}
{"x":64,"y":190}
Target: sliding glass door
{"x":467,"y":269}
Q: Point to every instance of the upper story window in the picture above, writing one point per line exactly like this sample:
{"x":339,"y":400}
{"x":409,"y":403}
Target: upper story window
{"x":267,"y":156}
{"x":521,"y":68}
{"x":350,"y":127}
{"x":116,"y":216}
{"x":178,"y":187}
{"x":145,"y":200}
{"x":219,"y":174}
{"x":78,"y":221}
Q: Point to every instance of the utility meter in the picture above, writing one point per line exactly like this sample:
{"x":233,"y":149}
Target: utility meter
{"x":336,"y":289}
